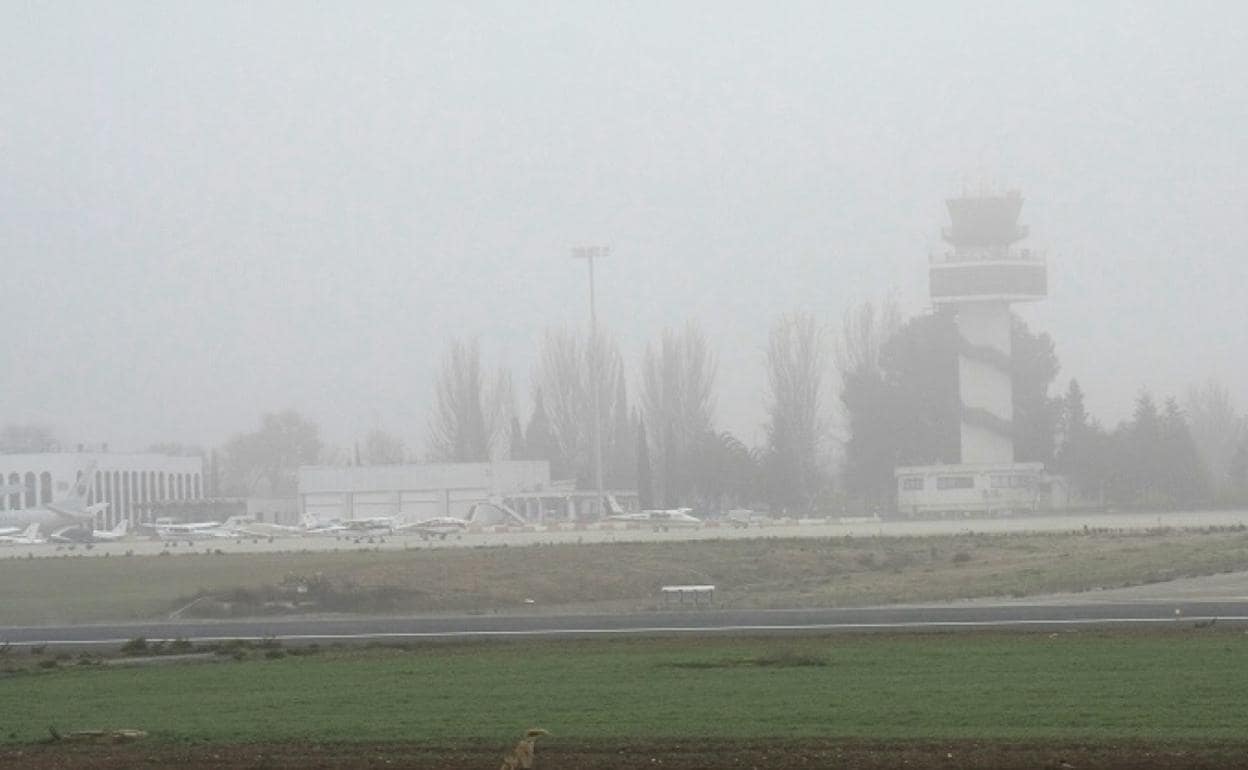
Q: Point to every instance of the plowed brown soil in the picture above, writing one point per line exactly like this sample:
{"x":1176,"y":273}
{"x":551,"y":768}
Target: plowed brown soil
{"x":684,"y":755}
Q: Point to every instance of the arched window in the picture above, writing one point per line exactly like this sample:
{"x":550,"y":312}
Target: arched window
{"x":32,"y":490}
{"x":99,"y":487}
{"x":15,"y":499}
{"x":161,"y":486}
{"x":178,"y":480}
{"x":125,"y":495}
{"x":195,"y":480}
{"x":45,"y":486}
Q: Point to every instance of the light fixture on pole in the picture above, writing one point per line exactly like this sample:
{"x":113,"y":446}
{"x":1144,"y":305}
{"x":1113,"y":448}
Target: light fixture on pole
{"x":589,"y":253}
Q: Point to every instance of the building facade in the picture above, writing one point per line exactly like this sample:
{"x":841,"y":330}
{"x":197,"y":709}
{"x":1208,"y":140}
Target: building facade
{"x":414,"y":492}
{"x":127,"y":482}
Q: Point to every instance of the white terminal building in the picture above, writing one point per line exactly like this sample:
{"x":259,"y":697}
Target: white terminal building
{"x":979,"y":277}
{"x":129,"y":483}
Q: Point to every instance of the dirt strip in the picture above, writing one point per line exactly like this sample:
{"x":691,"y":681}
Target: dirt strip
{"x":683,"y":755}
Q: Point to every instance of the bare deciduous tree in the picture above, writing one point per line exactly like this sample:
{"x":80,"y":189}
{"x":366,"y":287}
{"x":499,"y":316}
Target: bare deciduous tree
{"x":24,"y":439}
{"x":1216,"y":429}
{"x":382,"y":448}
{"x":678,"y":381}
{"x":864,"y":330}
{"x":565,"y":375}
{"x":469,"y":412}
{"x":797,"y":424}
{"x":267,"y":461}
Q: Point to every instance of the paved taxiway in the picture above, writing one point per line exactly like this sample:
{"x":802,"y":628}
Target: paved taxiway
{"x":600,"y":534}
{"x":959,"y":617}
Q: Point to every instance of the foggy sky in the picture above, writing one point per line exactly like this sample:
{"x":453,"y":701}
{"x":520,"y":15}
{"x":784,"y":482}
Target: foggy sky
{"x":212,"y":210}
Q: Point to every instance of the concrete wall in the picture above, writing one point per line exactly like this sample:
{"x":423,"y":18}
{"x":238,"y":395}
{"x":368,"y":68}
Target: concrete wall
{"x":413,"y":492}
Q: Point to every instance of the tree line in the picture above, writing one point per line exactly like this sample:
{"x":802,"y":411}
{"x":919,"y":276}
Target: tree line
{"x":841,"y":413}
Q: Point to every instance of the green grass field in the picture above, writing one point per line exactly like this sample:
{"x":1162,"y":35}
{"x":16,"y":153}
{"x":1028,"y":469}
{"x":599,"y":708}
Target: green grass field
{"x":771,"y":572}
{"x":1177,"y":685}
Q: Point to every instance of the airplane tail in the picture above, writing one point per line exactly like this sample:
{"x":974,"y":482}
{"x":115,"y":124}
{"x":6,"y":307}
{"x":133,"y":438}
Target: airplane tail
{"x":74,"y":504}
{"x":122,"y":527}
{"x":309,"y":521}
{"x":612,"y":506}
{"x":31,"y":532}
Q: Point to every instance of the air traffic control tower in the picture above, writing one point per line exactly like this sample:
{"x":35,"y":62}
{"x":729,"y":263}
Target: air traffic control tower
{"x":982,"y":273}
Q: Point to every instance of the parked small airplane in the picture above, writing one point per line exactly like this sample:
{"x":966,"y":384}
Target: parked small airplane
{"x":375,"y":525}
{"x":82,"y":535}
{"x":314,"y":526}
{"x":247,"y":527}
{"x":174,"y":532}
{"x":439,"y":526}
{"x":355,"y":529}
{"x":29,"y":536}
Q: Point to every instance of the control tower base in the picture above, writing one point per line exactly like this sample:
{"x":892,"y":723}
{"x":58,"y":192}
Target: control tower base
{"x":972,"y":490}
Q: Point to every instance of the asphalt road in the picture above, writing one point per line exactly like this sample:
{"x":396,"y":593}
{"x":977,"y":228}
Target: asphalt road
{"x":1042,"y":617}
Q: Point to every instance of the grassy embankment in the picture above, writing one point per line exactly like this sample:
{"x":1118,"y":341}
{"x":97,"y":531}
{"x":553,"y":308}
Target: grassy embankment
{"x":1161,"y":686}
{"x":770,"y":572}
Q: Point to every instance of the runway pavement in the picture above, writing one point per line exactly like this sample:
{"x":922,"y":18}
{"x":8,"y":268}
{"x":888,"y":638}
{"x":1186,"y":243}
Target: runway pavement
{"x":608,"y":533}
{"x":947,"y":618}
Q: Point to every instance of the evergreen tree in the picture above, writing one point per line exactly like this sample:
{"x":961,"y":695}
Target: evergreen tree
{"x":1139,"y":458}
{"x":1036,"y":414}
{"x":920,"y":367}
{"x":1083,"y":451}
{"x":872,"y":449}
{"x":1186,"y":481}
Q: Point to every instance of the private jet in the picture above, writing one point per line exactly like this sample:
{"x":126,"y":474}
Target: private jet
{"x":80,"y":534}
{"x":69,"y":510}
{"x":29,"y":536}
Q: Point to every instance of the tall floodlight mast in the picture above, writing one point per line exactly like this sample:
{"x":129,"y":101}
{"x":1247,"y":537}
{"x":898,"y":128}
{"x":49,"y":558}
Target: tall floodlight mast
{"x":589,"y":253}
{"x":979,"y":277}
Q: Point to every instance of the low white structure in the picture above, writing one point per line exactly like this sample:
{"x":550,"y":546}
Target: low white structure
{"x":414,"y":492}
{"x":127,"y":482}
{"x":1001,"y":488}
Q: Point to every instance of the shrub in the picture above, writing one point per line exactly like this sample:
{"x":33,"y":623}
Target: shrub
{"x":136,"y":646}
